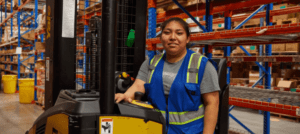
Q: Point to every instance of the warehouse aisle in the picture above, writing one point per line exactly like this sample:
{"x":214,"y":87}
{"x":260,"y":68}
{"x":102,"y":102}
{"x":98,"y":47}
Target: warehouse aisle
{"x":254,"y":121}
{"x":16,"y":118}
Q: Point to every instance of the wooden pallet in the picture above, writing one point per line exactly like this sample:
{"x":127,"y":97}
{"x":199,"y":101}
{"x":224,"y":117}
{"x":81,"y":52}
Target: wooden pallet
{"x":218,"y":54}
{"x":285,"y":53}
{"x":244,"y":54}
{"x":284,"y":116}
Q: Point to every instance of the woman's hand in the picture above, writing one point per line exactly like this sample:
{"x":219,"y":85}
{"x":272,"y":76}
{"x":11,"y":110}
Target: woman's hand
{"x":128,"y":96}
{"x":119,"y":97}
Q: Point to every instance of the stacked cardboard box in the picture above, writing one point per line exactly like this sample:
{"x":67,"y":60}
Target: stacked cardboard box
{"x":288,"y":77}
{"x":250,"y":49}
{"x":285,"y":16}
{"x":239,"y":80}
{"x":292,"y":47}
{"x":7,"y":34}
{"x":217,"y":52}
{"x":93,"y":2}
{"x":278,"y":47}
{"x":240,"y":70}
{"x":253,"y":76}
{"x":40,"y":46}
{"x":169,"y":4}
{"x":41,"y":96}
{"x":250,"y":23}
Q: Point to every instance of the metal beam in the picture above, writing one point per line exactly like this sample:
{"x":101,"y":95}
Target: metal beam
{"x":191,"y":16}
{"x":253,"y":39}
{"x":250,"y":16}
{"x":283,"y":37}
{"x":258,"y":81}
{"x":235,"y":119}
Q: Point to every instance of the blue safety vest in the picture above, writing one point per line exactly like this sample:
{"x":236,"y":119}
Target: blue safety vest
{"x":183,"y":109}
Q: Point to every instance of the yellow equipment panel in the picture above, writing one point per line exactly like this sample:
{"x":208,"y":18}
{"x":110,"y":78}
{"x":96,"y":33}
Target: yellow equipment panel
{"x":139,"y":103}
{"x":128,"y":125}
{"x":57,"y":124}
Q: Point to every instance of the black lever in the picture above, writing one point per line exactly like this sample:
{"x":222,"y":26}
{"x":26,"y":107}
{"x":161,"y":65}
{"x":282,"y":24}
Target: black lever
{"x":138,"y":96}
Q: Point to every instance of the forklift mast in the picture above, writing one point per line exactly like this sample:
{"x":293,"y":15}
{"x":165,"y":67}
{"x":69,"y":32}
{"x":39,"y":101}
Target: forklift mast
{"x":60,"y":48}
{"x":73,"y":52}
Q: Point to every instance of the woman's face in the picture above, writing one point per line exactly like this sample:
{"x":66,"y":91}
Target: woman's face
{"x":174,"y":38}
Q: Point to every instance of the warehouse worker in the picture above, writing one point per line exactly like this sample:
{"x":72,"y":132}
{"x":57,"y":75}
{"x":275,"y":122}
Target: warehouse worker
{"x":181,"y":84}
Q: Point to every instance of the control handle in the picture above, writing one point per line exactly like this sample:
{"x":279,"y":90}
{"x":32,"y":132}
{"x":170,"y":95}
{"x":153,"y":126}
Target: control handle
{"x":138,"y":96}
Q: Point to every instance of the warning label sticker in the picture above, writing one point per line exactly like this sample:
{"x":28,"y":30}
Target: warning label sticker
{"x":107,"y":126}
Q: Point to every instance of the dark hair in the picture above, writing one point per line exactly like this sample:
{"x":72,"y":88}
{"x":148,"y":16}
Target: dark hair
{"x":180,"y":21}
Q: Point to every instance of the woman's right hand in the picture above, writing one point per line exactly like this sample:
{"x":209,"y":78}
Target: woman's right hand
{"x":119,"y":97}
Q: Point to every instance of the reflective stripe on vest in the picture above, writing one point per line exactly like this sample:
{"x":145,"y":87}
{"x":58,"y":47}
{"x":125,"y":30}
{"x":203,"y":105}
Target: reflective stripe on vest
{"x":162,"y":112}
{"x":193,"y":68}
{"x":181,"y":118}
{"x":155,"y":60}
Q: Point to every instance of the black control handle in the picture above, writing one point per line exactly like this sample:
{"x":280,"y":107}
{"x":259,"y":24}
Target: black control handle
{"x":138,"y":96}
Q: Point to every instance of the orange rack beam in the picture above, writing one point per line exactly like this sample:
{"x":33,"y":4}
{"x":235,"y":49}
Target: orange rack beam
{"x":265,"y":106}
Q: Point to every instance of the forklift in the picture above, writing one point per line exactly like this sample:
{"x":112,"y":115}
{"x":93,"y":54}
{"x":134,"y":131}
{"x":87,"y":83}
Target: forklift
{"x":109,"y":68}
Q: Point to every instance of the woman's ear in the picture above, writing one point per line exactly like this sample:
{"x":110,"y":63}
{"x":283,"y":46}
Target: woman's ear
{"x":188,"y":39}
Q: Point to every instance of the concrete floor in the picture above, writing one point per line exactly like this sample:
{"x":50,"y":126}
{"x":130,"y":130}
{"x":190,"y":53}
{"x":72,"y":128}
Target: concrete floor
{"x":16,"y":118}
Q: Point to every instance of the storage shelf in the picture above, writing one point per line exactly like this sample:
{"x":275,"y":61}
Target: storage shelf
{"x":288,"y":10}
{"x":288,"y":33}
{"x":281,"y":102}
{"x":14,"y":12}
{"x":218,"y":7}
{"x":7,"y":62}
{"x":27,"y":53}
{"x":11,"y":71}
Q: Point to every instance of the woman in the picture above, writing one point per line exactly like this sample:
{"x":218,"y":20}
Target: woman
{"x":178,"y":83}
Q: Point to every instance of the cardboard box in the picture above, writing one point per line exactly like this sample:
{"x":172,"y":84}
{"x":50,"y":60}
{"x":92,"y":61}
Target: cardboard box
{"x":280,"y":6}
{"x":218,"y":26}
{"x":250,"y":49}
{"x":8,"y":59}
{"x":294,"y":47}
{"x":287,"y":84}
{"x":253,"y":77}
{"x":279,"y":47}
{"x":40,"y":46}
{"x":29,"y":60}
{"x":290,"y":73}
{"x":249,"y":23}
{"x":235,"y":80}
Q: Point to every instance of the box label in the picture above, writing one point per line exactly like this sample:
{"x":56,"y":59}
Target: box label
{"x":282,"y":7}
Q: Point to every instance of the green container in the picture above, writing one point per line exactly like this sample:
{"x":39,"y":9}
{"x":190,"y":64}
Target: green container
{"x":293,"y":90}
